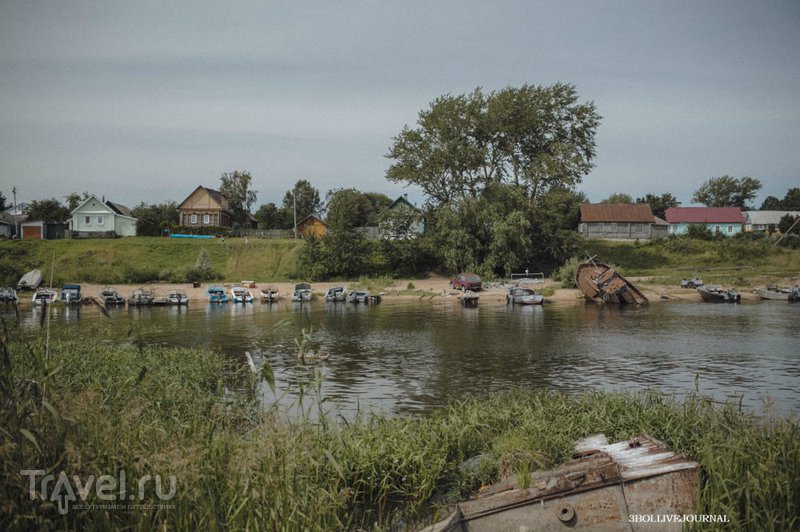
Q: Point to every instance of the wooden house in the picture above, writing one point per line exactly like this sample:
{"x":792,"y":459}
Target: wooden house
{"x":403,"y":221}
{"x":97,"y":218}
{"x":311,"y":226}
{"x":620,"y":221}
{"x":205,"y":206}
{"x":727,"y":221}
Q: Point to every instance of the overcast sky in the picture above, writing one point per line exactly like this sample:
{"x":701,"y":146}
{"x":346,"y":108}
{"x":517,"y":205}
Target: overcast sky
{"x":144,"y":100}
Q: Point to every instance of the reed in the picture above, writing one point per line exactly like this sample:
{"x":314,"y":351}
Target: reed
{"x":91,"y":408}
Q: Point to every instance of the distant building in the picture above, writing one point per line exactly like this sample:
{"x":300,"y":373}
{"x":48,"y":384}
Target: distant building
{"x":95,"y":218}
{"x":15,"y":215}
{"x":6,"y":227}
{"x":763,"y":220}
{"x":620,"y":221}
{"x":726,"y":221}
{"x":311,"y":226}
{"x":38,"y":230}
{"x":404,"y":220}
{"x":205,"y":206}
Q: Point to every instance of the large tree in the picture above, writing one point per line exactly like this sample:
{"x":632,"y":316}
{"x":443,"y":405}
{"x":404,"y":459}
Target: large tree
{"x":306,"y":198}
{"x":659,"y":204}
{"x":532,"y":137}
{"x":74,"y":199}
{"x":151,"y":220}
{"x":47,"y":210}
{"x":2,"y":202}
{"x":236,"y":186}
{"x":790,"y":202}
{"x":269,"y":216}
{"x":727,"y":191}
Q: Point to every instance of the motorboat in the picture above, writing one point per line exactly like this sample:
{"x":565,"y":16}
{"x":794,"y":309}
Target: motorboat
{"x":718,"y":294}
{"x":8,"y":295}
{"x":141,"y":297}
{"x":772,"y":291}
{"x":240,"y":294}
{"x":71,"y":294}
{"x":269,"y":295}
{"x":216,"y":295}
{"x":358,"y":296}
{"x":520,"y":295}
{"x":44,"y":295}
{"x":30,"y":281}
{"x":302,"y":293}
{"x":110,"y":297}
{"x":177,"y":297}
{"x":336,"y":293}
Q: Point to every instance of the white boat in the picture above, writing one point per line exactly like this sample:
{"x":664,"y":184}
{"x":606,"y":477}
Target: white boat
{"x":302,"y":293}
{"x":336,"y":293}
{"x":772,"y":291}
{"x":30,"y":281}
{"x":358,"y":296}
{"x":44,"y":295}
{"x":8,"y":295}
{"x":141,"y":297}
{"x":110,"y":297}
{"x":519,"y":295}
{"x":240,"y":294}
{"x":269,"y":295}
{"x":177,"y":297}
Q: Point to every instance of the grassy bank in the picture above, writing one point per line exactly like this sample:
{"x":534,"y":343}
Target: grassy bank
{"x":92,"y":409}
{"x":143,"y":259}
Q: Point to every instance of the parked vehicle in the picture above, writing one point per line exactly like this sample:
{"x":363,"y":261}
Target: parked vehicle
{"x":772,"y":291}
{"x":694,"y":282}
{"x":240,"y":294}
{"x":358,"y":296}
{"x":269,"y":295}
{"x":71,"y":294}
{"x":302,"y":293}
{"x":216,"y":295}
{"x":8,"y":295}
{"x":601,"y":284}
{"x":177,"y":297}
{"x":30,"y":281}
{"x":717,"y":294}
{"x":44,"y":295}
{"x":109,"y":297}
{"x":141,"y":297}
{"x":519,"y":295}
{"x":336,"y":293}
{"x":466,"y":281}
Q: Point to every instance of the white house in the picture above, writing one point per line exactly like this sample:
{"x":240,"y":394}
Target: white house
{"x":763,"y":220}
{"x":97,"y":218}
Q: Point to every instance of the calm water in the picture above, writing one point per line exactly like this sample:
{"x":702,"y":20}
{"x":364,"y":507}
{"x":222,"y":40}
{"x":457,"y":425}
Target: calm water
{"x":403,"y":357}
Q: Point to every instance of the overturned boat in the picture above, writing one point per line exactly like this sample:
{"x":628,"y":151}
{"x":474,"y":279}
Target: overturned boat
{"x":30,"y":281}
{"x":600,"y":283}
{"x":603,"y":488}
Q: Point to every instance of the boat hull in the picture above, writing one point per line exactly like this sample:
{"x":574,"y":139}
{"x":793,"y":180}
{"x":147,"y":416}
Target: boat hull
{"x":718,"y":295}
{"x":601,"y":284}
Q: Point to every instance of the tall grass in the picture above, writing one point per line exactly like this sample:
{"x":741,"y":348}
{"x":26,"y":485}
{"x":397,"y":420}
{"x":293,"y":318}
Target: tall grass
{"x":92,"y":408}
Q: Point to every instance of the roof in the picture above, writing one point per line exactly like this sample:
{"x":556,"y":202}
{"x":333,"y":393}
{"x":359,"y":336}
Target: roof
{"x":616,"y":212}
{"x":401,"y":201}
{"x":767,"y":217}
{"x":115,"y":208}
{"x":700,"y":215}
{"x":216,"y":195}
{"x":309,"y":217}
{"x":659,"y":221}
{"x":119,"y":208}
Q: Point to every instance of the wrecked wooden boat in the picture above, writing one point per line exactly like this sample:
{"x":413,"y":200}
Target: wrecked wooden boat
{"x":604,"y":487}
{"x":600,"y":283}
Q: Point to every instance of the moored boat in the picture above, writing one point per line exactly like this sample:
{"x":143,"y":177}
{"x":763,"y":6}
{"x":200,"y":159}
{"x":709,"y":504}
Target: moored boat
{"x":177,"y":297}
{"x":772,"y":291}
{"x":141,"y":297}
{"x":216,"y":295}
{"x":717,"y":294}
{"x":358,"y":296}
{"x":8,"y":295}
{"x":469,"y":298}
{"x":794,"y":297}
{"x":71,"y":294}
{"x":240,"y":294}
{"x":520,"y":295}
{"x":110,"y":297}
{"x":269,"y":295}
{"x":44,"y":295}
{"x":302,"y":293}
{"x":601,"y":284}
{"x":335,"y":293}
{"x":30,"y":281}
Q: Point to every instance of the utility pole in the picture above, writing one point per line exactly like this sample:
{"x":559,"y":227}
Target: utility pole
{"x":294,"y":209}
{"x":16,"y":214}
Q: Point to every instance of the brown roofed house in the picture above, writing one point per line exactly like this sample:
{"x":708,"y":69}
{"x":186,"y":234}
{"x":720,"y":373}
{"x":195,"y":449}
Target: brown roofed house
{"x":620,"y":221}
{"x":205,"y":206}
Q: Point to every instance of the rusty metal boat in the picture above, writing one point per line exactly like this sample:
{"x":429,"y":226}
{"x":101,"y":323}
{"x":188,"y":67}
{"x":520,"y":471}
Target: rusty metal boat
{"x":603,"y":488}
{"x":600,"y":283}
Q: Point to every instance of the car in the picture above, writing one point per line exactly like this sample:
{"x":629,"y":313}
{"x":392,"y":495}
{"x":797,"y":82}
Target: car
{"x":691,"y":283}
{"x":466,"y":281}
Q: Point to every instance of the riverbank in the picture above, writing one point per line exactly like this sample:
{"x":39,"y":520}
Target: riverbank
{"x":88,"y":408}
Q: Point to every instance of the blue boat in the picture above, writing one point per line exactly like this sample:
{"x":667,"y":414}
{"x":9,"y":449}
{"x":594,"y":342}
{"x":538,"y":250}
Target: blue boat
{"x":216,"y":295}
{"x":71,"y":293}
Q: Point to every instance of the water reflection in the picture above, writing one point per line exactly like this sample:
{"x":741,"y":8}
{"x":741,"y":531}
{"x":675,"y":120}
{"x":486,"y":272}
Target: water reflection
{"x":410,"y":356}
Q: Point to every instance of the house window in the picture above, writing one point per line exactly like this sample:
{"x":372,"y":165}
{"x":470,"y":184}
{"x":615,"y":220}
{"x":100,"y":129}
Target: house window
{"x":87,"y":220}
{"x":100,"y":220}
{"x":193,"y":219}
{"x":730,"y":229}
{"x":206,"y":219}
{"x":716,"y":229}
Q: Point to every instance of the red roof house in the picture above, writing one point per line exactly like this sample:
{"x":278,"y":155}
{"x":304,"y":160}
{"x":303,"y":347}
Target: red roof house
{"x":724,"y":220}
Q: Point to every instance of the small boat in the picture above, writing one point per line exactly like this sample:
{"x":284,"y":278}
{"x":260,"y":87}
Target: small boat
{"x":71,"y":294}
{"x":600,"y":283}
{"x":8,"y":295}
{"x":240,"y":294}
{"x":30,"y":281}
{"x":717,"y":294}
{"x":269,"y":295}
{"x":336,"y":293}
{"x":302,"y":293}
{"x":177,"y":297}
{"x":358,"y":296}
{"x":519,"y":295}
{"x":110,"y":297}
{"x":44,"y":295}
{"x":794,"y":297}
{"x":772,"y":291}
{"x":216,"y":295}
{"x":694,"y":282}
{"x":141,"y":297}
{"x":469,"y":298}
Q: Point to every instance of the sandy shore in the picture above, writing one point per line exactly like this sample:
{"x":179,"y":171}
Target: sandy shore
{"x":432,"y":288}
